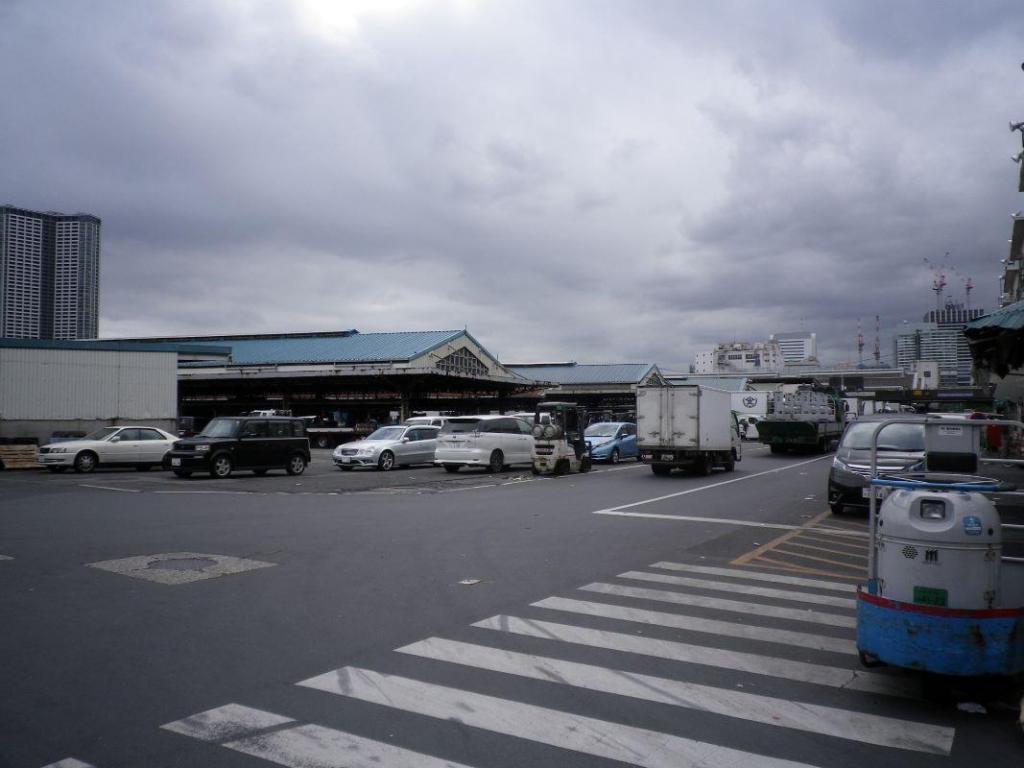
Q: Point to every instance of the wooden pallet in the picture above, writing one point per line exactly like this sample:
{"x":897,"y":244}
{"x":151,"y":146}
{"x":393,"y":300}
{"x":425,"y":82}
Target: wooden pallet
{"x":18,"y":457}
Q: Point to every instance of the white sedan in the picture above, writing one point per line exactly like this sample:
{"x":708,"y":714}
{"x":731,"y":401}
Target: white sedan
{"x":123,"y":446}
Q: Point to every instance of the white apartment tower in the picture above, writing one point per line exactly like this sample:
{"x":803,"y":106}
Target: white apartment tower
{"x":49,"y":275}
{"x":797,"y":347}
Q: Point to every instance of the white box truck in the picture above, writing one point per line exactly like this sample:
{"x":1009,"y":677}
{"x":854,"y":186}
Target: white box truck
{"x":688,"y":427}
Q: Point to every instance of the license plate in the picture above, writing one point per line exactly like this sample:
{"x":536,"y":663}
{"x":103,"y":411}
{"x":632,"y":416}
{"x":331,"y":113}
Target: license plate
{"x":879,"y":491}
{"x":346,"y":460}
{"x":667,"y":457}
{"x":175,"y":462}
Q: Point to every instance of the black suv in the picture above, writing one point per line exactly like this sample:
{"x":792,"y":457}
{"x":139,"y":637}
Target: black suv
{"x":228,"y":443}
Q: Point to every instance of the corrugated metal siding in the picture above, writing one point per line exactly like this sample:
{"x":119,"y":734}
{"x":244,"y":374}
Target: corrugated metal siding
{"x":1010,"y":317}
{"x":74,"y":384}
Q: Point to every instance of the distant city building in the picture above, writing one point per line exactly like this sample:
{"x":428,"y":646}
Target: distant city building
{"x":49,"y":275}
{"x":740,"y":357}
{"x":797,"y":347}
{"x":939,"y":339}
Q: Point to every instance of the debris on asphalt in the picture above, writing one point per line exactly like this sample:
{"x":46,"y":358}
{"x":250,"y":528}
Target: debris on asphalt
{"x":469,"y":582}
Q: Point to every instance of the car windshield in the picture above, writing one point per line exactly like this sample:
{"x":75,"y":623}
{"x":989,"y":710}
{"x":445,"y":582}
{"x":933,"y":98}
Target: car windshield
{"x":221,"y":428}
{"x":387,"y":433}
{"x":460,"y":425}
{"x":893,"y":437}
{"x":602,"y":430}
{"x":102,"y":434}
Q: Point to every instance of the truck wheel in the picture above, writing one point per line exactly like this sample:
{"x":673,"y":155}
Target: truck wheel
{"x":323,"y":442}
{"x":585,"y":464}
{"x":730,"y":463}
{"x":561,"y":467}
{"x":661,"y":470}
{"x":704,"y":465}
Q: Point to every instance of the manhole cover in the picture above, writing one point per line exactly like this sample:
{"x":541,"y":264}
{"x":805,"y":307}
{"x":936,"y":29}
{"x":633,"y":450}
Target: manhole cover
{"x":183,"y":564}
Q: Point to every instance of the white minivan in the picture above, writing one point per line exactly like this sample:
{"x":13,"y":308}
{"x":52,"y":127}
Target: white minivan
{"x":494,"y":442}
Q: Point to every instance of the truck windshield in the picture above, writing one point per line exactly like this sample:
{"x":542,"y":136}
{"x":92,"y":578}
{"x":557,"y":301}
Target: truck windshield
{"x":221,"y":428}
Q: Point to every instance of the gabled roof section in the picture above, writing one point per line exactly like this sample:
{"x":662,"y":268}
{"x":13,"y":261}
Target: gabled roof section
{"x":585,"y":373}
{"x":344,"y":347}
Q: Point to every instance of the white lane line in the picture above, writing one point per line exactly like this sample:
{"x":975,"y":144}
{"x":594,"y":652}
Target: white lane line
{"x":698,"y":519}
{"x":6,"y":557}
{"x":739,"y":573}
{"x":716,"y":603}
{"x":802,"y":671}
{"x":228,"y":722}
{"x":471,"y":488}
{"x":313,"y":746}
{"x":588,"y":735}
{"x":710,"y":486}
{"x":698,"y":624}
{"x":109,"y":488}
{"x":742,"y":589}
{"x":212,"y":493}
{"x":766,"y":710}
{"x":69,"y":762}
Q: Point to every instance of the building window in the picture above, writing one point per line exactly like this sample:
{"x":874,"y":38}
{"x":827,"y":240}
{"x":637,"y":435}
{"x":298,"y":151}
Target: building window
{"x":462,"y":361}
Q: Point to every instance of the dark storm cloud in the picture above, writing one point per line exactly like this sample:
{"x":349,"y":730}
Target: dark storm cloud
{"x":593,"y":181}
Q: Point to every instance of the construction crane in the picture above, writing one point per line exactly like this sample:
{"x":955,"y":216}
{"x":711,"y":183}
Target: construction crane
{"x":878,"y":346}
{"x":968,"y":287}
{"x":860,"y":345}
{"x":938,"y":281}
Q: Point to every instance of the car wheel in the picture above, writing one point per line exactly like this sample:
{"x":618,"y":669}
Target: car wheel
{"x":221,"y":466}
{"x":86,"y":462}
{"x":614,"y":458}
{"x":386,"y":462}
{"x":323,"y":442}
{"x":453,"y":468}
{"x":183,"y":472}
{"x":296,"y":464}
{"x":497,"y":461}
{"x":837,"y":507}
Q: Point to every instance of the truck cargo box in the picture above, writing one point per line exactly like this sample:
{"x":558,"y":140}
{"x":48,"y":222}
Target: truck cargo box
{"x":684,"y":416}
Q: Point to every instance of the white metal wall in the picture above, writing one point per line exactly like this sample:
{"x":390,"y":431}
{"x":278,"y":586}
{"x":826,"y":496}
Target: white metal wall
{"x":87,"y":384}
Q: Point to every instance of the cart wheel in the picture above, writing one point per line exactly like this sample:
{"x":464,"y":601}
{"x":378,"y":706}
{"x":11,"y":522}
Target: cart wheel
{"x":869,"y":661}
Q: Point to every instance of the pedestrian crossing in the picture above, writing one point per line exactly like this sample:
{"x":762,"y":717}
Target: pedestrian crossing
{"x":668,"y":677}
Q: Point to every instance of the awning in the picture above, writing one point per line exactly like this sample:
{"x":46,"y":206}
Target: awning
{"x":997,"y":339}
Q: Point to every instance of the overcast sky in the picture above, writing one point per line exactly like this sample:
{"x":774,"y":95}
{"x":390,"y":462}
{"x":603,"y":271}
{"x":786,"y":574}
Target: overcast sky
{"x":591,"y":181}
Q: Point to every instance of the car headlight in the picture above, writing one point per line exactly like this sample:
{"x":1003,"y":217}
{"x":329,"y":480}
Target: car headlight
{"x":202,"y":448}
{"x":366,"y":451}
{"x":838,"y":463}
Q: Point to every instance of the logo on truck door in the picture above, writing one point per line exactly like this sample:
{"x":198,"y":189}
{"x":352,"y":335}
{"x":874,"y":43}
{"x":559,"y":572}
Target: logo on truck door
{"x":750,"y":401}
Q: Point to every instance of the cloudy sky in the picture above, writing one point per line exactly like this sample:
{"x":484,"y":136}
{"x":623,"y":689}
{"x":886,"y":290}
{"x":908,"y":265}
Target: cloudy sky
{"x":594,"y":181}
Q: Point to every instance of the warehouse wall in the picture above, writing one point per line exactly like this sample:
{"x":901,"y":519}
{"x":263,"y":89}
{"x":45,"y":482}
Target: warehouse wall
{"x":46,"y":390}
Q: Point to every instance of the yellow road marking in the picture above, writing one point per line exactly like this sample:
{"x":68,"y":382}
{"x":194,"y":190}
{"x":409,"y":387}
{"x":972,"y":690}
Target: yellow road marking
{"x":817,"y":559}
{"x":745,"y":559}
{"x":780,"y":565}
{"x":858,"y":555}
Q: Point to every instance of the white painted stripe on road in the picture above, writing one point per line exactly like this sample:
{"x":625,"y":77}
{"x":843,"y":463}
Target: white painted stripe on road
{"x":231,"y":721}
{"x":710,"y":486}
{"x":588,"y":735}
{"x":698,"y":624}
{"x":699,"y":519}
{"x":109,"y":488}
{"x":766,"y":710}
{"x":805,"y":672}
{"x":743,"y":589}
{"x":313,"y":746}
{"x":69,"y":762}
{"x":739,"y":573}
{"x":700,"y":601}
{"x":6,"y":557}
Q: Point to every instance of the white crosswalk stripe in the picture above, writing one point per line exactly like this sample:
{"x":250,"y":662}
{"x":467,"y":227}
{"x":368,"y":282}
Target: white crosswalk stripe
{"x":777,"y":578}
{"x":742,"y":589}
{"x":589,"y":735}
{"x":774,"y":681}
{"x":818,"y":674}
{"x":870,"y":729}
{"x":717,"y":603}
{"x":699,"y":624}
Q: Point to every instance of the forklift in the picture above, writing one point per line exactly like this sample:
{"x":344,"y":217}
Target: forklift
{"x":558,"y":444}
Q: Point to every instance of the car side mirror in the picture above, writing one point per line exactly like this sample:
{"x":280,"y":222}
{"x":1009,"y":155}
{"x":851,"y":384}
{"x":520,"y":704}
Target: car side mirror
{"x":405,"y":439}
{"x":115,"y":439}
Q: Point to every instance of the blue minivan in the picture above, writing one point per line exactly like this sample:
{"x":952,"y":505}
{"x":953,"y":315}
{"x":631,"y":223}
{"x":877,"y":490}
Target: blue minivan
{"x":611,"y":441}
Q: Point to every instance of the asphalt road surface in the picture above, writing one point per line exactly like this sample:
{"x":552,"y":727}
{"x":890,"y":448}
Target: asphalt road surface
{"x":416,"y":618}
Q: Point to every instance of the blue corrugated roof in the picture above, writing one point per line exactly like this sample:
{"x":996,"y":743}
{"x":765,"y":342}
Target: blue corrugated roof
{"x":349,"y":348}
{"x":582,"y":373}
{"x":1010,"y":317}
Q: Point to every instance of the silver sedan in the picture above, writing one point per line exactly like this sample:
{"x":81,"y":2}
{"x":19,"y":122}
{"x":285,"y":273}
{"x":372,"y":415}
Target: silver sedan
{"x":389,"y":447}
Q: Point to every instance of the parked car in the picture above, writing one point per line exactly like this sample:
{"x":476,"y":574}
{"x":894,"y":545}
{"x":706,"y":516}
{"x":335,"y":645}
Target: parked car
{"x":900,"y":449}
{"x":242,"y":442}
{"x":389,"y":447}
{"x":494,"y":442}
{"x":121,"y":446}
{"x":611,"y":441}
{"x":427,"y":421}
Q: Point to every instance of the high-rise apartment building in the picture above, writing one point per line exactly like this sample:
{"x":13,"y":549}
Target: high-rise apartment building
{"x":49,"y":274}
{"x":736,"y":357}
{"x":797,"y":347}
{"x":939,"y":339}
